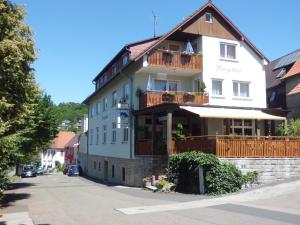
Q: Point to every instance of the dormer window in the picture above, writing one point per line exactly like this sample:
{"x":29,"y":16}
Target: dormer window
{"x":125,"y":59}
{"x":208,"y":18}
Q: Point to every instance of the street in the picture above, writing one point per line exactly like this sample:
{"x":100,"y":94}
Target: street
{"x":58,"y":199}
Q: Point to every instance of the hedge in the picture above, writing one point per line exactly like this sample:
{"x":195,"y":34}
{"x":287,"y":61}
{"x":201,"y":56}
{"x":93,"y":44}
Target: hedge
{"x":219,"y":177}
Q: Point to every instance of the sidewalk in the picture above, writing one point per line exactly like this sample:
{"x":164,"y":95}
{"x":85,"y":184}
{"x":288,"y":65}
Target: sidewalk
{"x":17,"y":218}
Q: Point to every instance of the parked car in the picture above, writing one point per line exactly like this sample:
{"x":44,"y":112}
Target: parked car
{"x":28,"y":171}
{"x":73,"y":170}
{"x":65,"y":171}
{"x":40,"y":170}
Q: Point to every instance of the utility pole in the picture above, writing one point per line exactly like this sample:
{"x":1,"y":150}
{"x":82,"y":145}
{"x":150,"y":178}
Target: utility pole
{"x":154,"y":23}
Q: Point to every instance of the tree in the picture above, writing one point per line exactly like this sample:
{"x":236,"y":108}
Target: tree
{"x":291,"y":129}
{"x":18,"y":89}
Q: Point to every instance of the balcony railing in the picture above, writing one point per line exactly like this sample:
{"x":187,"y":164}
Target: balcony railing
{"x":152,"y":98}
{"x":230,"y":146}
{"x":164,"y":58}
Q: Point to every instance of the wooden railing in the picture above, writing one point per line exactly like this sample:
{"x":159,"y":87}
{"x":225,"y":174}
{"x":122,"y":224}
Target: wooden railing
{"x":172,"y":59}
{"x":151,"y":98}
{"x":242,"y":146}
{"x":144,"y":147}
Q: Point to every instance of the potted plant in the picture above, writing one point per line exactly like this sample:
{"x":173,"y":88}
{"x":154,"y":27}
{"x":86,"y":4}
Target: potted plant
{"x":202,"y":87}
{"x":189,"y":96}
{"x":168,"y":96}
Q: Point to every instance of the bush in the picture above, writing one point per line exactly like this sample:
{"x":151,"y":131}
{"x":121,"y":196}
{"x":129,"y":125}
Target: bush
{"x":223,"y":178}
{"x":183,"y":169}
{"x":250,"y":178}
{"x":161,"y":183}
{"x":220,"y":177}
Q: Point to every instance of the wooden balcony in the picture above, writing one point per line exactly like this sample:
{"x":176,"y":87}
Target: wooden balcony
{"x":179,"y":60}
{"x":242,"y":146}
{"x":231,"y":146}
{"x":152,"y":98}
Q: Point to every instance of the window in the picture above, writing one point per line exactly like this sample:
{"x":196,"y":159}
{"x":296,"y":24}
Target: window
{"x":99,"y":166}
{"x":241,"y":127}
{"x":98,"y":108}
{"x":112,"y":171}
{"x":126,"y":91}
{"x":114,"y":99}
{"x":228,"y":51}
{"x":125,"y":60}
{"x":104,"y":104}
{"x":91,"y":137}
{"x":125,"y":134}
{"x":97,"y":135}
{"x":217,"y":87}
{"x":104,"y":134}
{"x":197,"y":83}
{"x":166,"y":85}
{"x":95,"y":165}
{"x":91,"y":111}
{"x":208,"y":17}
{"x":113,"y":133}
{"x":241,"y":89}
{"x":114,"y":69}
{"x":123,"y":174}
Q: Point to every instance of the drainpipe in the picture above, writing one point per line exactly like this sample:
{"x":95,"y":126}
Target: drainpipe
{"x":87,"y":143}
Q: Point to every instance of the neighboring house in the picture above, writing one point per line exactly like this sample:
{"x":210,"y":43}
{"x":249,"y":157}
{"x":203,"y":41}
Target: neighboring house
{"x":55,"y":152}
{"x":82,"y":147}
{"x":161,"y":81}
{"x":283,"y":84}
{"x":71,"y":149}
{"x":64,"y":124}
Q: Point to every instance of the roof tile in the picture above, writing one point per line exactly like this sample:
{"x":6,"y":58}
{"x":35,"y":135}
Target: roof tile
{"x":295,"y":70}
{"x":295,"y":90}
{"x":62,"y":138}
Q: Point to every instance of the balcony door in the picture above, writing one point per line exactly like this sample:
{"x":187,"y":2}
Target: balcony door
{"x":166,"y":85}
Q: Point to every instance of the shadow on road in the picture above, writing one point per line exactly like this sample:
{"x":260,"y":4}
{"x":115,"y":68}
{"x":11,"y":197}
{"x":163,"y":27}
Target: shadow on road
{"x":10,"y":198}
{"x":19,"y":185}
{"x":3,"y":223}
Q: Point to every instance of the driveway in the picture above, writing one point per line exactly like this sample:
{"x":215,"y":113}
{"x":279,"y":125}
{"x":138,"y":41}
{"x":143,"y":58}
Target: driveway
{"x":58,"y":199}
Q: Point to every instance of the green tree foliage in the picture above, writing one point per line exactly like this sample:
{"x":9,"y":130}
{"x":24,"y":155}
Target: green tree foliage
{"x":70,"y":111}
{"x":292,"y":128}
{"x":26,"y":120}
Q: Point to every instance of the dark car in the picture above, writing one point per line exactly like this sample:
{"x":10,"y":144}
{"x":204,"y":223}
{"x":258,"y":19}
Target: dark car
{"x":40,"y":170}
{"x":28,"y":171}
{"x":73,"y":170}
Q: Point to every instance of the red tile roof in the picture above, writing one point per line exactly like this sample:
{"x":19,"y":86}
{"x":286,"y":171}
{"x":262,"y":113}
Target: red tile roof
{"x":295,"y":70}
{"x":62,"y":138}
{"x":73,"y":141}
{"x":295,"y":90}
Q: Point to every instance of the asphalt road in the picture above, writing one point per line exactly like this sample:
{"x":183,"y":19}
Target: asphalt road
{"x":57,"y":199}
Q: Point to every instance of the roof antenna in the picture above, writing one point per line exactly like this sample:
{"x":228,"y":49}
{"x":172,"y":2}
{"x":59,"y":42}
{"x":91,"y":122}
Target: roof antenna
{"x":154,"y":23}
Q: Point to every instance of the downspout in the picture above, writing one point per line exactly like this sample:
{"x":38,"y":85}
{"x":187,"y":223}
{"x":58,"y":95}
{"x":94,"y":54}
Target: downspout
{"x":87,"y":143}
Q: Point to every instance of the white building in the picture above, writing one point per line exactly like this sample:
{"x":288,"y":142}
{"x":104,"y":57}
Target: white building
{"x":161,"y":79}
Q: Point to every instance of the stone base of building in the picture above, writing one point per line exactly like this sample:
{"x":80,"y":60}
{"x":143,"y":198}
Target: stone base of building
{"x":128,"y":172}
{"x":269,"y":169}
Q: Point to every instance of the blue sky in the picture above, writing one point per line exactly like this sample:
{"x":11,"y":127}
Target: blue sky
{"x":76,"y":38}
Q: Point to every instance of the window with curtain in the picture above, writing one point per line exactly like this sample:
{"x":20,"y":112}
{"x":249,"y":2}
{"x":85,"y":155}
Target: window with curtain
{"x":241,"y":89}
{"x":228,"y":51}
{"x":166,"y":85}
{"x":217,"y":87}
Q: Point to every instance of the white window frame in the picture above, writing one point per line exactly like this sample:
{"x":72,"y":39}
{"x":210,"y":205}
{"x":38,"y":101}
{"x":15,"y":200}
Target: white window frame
{"x":222,"y":86}
{"x":225,"y":53}
{"x":97,"y":136}
{"x":125,"y":89}
{"x":211,"y":17}
{"x":239,"y":89}
{"x":125,"y":134}
{"x":91,"y":137}
{"x":243,"y":127}
{"x":104,"y":104}
{"x":104,"y":127}
{"x":113,"y":132}
{"x":114,"y":98}
{"x":167,"y":85}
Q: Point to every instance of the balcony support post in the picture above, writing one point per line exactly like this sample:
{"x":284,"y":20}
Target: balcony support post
{"x":153,"y":144}
{"x":169,"y":133}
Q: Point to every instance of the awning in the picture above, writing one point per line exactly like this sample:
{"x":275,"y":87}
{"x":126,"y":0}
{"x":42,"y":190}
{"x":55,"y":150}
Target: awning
{"x":226,"y":113}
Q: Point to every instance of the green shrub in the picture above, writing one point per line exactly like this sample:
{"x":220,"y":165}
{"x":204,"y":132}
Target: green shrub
{"x":161,"y":183}
{"x":183,"y":169}
{"x":223,"y":178}
{"x":250,"y":177}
